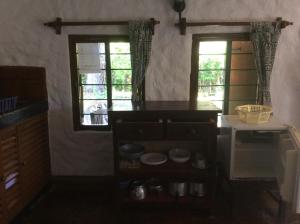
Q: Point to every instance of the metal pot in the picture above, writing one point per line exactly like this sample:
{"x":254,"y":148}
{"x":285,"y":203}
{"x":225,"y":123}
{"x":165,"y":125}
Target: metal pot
{"x":155,"y":186}
{"x":178,"y":189}
{"x":197,"y":189}
{"x":138,"y":190}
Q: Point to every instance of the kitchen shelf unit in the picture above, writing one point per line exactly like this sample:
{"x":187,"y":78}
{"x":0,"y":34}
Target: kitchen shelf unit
{"x":159,"y":126}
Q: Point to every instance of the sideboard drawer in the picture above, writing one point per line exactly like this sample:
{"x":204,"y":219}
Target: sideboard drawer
{"x":189,"y":130}
{"x":139,"y":130}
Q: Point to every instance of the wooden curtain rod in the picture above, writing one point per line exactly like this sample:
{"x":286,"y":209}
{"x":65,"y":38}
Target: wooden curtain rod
{"x":57,"y":24}
{"x":183,"y":24}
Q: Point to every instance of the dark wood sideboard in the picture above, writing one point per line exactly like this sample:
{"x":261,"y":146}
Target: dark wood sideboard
{"x":160,"y":126}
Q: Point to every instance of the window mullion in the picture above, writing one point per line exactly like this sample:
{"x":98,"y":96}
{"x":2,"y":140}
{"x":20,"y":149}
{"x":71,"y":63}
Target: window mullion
{"x":227,"y":77}
{"x":194,"y":71}
{"x":108,"y":74}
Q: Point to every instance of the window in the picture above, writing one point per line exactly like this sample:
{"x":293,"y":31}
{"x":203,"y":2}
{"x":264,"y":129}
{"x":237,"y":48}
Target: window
{"x":223,"y":71}
{"x":101,"y":77}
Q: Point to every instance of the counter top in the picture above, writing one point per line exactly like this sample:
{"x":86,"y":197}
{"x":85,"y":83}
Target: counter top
{"x":22,"y":112}
{"x":167,"y":106}
{"x":234,"y":122}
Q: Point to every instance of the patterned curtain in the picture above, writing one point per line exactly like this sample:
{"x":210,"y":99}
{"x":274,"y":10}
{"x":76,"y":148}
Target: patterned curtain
{"x":140,"y":35}
{"x":264,"y":37}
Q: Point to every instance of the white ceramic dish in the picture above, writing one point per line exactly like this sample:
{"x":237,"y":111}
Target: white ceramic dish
{"x":179,"y":155}
{"x":153,"y":158}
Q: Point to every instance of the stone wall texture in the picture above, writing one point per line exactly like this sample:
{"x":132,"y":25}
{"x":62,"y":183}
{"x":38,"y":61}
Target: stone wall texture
{"x":25,"y":41}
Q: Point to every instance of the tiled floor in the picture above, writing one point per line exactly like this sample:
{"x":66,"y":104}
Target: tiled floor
{"x":90,"y":206}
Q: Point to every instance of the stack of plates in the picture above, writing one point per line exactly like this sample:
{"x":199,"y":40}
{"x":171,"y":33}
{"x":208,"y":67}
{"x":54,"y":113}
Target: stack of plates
{"x":153,"y":158}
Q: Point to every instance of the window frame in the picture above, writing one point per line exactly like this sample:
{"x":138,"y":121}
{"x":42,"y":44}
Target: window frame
{"x":73,"y":40}
{"x":229,"y":37}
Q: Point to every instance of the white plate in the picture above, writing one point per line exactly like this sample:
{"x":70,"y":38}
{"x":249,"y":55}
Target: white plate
{"x":153,"y":158}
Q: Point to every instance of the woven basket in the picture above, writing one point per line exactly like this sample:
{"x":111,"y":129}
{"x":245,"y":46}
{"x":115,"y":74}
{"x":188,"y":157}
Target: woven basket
{"x":254,"y":114}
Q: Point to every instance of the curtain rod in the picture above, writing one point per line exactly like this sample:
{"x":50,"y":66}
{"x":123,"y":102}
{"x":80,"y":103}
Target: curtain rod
{"x":183,"y":24}
{"x":57,"y":24}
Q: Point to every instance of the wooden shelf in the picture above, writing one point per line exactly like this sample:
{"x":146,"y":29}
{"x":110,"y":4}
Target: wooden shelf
{"x":160,"y":125}
{"x":168,"y":170}
{"x":167,"y":200}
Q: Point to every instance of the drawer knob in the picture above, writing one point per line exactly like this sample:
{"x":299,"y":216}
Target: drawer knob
{"x":140,"y":131}
{"x":194,"y":131}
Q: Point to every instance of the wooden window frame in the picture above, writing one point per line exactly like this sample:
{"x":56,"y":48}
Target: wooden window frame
{"x":73,"y":40}
{"x":197,"y":38}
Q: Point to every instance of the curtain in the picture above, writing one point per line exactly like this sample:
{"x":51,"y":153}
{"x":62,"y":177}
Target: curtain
{"x":264,"y":37}
{"x":140,"y":36}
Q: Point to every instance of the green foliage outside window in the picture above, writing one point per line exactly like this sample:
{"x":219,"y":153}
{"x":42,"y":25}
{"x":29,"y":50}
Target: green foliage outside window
{"x":211,"y":73}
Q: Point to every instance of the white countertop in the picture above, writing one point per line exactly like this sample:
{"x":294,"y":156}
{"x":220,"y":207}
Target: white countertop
{"x":234,"y":122}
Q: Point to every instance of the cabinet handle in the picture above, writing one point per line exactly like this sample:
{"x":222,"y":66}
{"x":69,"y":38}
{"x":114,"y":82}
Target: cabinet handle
{"x":140,"y":131}
{"x":23,"y":164}
{"x":193,"y":131}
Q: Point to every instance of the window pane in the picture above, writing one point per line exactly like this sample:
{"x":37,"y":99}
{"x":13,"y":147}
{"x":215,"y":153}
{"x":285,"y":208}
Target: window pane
{"x":94,"y":92}
{"x":93,"y":78}
{"x":211,"y":77}
{"x":211,"y":93}
{"x":217,"y":103}
{"x":121,"y":76}
{"x":94,"y":106}
{"x":121,"y":91}
{"x":212,"y":62}
{"x":89,"y":63}
{"x":242,"y":47}
{"x":122,"y":104}
{"x":242,"y":61}
{"x":243,"y":77}
{"x":119,"y":47}
{"x":242,"y":92}
{"x":95,"y":119}
{"x":212,"y":47}
{"x":90,"y":48}
{"x":120,"y":61}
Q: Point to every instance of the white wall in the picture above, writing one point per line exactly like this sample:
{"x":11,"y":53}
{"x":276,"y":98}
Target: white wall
{"x":25,"y":41}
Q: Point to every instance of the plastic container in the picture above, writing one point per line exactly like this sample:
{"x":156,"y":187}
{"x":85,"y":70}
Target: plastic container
{"x":254,"y":114}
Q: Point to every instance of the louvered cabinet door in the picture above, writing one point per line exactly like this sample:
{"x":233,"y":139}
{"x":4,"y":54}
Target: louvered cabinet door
{"x":3,"y":212}
{"x":34,"y":155}
{"x":10,"y":165}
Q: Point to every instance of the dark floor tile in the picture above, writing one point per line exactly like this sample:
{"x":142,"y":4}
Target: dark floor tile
{"x":64,"y":206}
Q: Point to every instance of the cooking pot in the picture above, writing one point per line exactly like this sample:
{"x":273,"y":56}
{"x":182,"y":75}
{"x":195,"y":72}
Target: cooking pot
{"x":154,"y":186}
{"x":197,"y":189}
{"x":137,"y":190}
{"x":178,"y":189}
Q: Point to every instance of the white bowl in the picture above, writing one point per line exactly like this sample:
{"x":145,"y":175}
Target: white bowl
{"x":179,"y":155}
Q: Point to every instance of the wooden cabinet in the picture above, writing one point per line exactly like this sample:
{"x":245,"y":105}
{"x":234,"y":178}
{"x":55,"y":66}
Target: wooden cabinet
{"x":24,"y":164}
{"x":139,"y":130}
{"x":11,"y":171}
{"x":159,"y":127}
{"x":34,"y":155}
